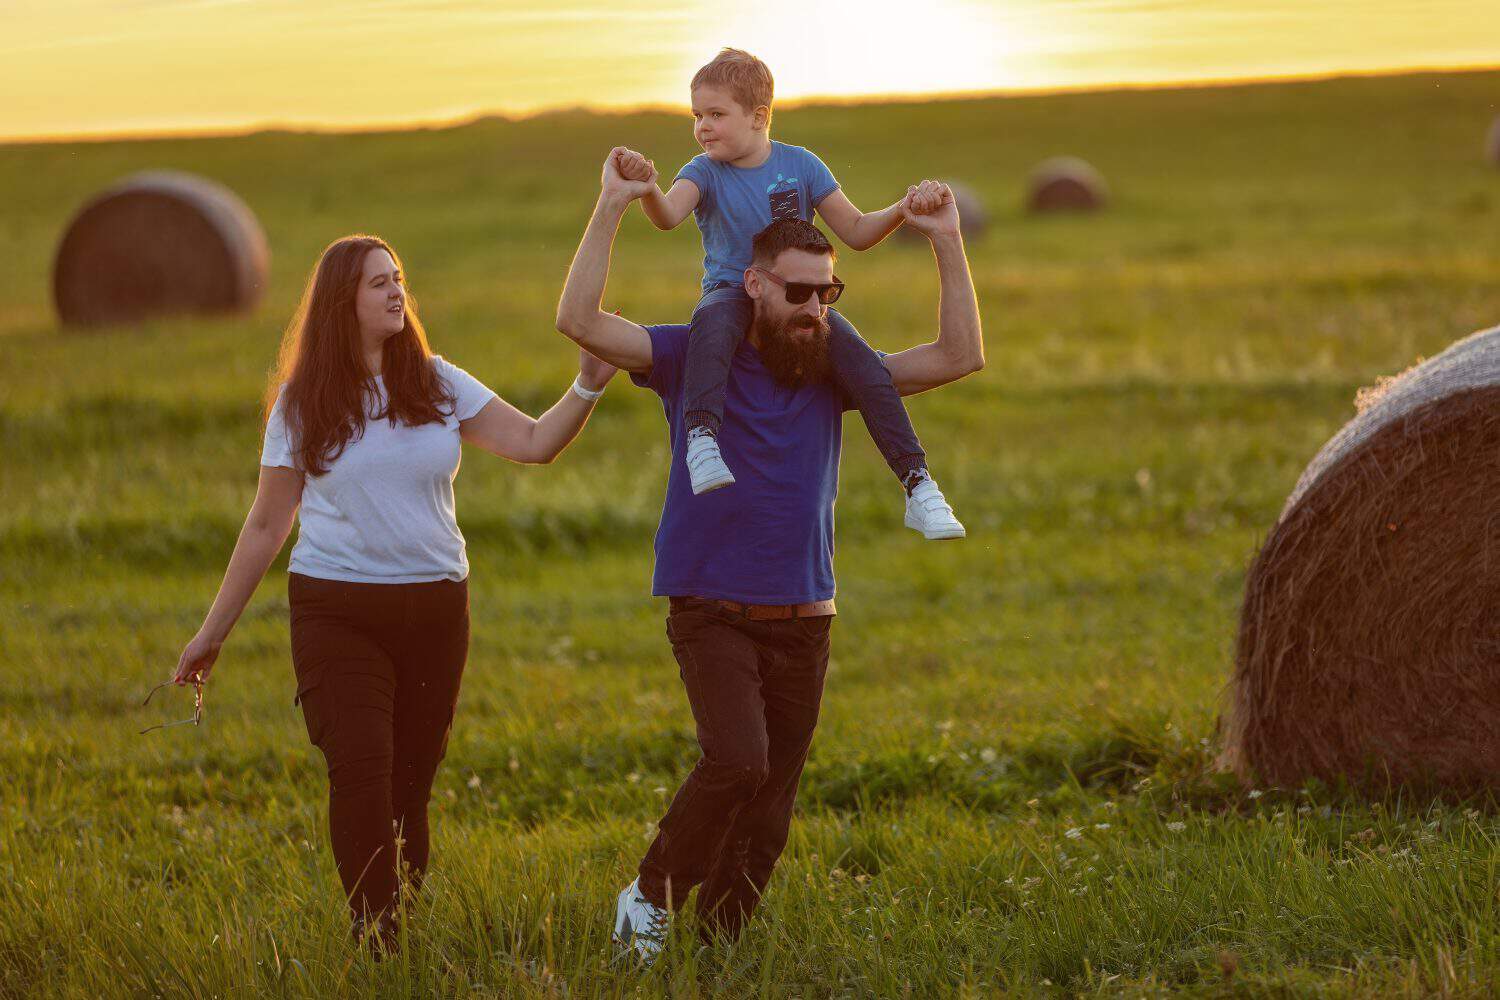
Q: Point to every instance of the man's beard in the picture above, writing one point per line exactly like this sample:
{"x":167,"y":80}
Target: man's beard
{"x":794,"y":356}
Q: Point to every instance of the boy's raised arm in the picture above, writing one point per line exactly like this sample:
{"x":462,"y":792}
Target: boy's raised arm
{"x":959,"y":347}
{"x":666,"y":211}
{"x":606,"y":336}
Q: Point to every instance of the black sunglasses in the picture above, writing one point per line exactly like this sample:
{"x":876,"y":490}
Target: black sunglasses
{"x":798,"y":291}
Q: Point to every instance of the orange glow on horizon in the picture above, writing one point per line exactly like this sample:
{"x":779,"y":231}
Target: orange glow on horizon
{"x":90,"y":68}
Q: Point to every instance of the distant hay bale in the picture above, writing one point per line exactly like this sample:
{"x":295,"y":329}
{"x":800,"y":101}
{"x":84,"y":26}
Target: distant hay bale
{"x":1065,"y":184}
{"x":1492,"y":144}
{"x":1369,"y":644}
{"x":973,"y":219}
{"x":157,"y":243}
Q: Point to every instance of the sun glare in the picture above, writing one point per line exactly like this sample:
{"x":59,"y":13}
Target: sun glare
{"x":846,"y":47}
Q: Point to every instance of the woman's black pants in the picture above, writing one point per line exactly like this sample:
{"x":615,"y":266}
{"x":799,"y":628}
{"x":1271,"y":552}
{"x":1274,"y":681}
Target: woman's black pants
{"x":378,"y":668}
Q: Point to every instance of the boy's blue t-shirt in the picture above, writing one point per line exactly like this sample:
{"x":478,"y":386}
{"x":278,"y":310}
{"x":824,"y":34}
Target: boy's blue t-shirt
{"x":735,"y":203}
{"x":768,"y":539}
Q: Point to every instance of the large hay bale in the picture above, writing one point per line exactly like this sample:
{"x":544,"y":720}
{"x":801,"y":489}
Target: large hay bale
{"x":973,"y":219}
{"x":157,"y":243}
{"x":1492,"y":144}
{"x":1369,"y":644}
{"x":1065,"y":184}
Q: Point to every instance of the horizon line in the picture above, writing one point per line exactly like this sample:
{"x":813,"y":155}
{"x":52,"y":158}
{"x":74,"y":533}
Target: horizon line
{"x":805,"y":101}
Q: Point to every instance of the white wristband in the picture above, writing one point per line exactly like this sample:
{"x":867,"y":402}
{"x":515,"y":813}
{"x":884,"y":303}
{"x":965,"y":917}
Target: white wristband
{"x":590,"y":395}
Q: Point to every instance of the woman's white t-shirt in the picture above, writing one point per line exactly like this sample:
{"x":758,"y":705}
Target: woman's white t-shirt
{"x":383,"y":512}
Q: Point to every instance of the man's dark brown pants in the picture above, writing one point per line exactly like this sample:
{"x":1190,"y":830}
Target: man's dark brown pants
{"x":378,"y":668}
{"x":754,"y":687}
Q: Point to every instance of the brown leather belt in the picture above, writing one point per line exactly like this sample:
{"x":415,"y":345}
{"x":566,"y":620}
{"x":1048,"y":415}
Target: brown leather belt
{"x":766,"y":612}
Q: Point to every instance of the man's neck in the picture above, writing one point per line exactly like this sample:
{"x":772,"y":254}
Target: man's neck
{"x":760,"y":154}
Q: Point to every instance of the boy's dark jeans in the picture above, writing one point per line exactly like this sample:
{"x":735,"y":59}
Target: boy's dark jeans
{"x":755,"y":687}
{"x":378,"y":669}
{"x":720,"y":322}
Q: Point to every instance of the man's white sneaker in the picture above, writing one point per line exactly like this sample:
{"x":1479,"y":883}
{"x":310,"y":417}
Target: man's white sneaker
{"x":706,"y":466}
{"x":929,"y":513}
{"x":639,"y":923}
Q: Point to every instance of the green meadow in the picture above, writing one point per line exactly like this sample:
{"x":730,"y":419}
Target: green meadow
{"x":1012,"y":789}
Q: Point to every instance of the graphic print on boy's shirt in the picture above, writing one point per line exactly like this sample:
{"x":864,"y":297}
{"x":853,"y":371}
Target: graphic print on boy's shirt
{"x":786,"y":202}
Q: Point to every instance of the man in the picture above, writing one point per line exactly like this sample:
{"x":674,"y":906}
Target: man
{"x":749,"y":571}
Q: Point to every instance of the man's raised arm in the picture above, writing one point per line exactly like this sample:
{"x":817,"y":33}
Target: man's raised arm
{"x":604,"y":335}
{"x":959,"y":347}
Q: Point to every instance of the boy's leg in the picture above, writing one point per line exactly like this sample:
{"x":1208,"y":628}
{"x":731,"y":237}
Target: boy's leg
{"x":864,"y":378}
{"x":718,"y":325}
{"x":866,"y":382}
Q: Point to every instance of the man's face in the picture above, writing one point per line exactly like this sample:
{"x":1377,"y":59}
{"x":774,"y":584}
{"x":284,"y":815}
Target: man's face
{"x":792,"y":338}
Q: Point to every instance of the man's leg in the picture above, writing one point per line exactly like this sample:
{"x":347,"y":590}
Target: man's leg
{"x":792,"y":691}
{"x":721,"y":668}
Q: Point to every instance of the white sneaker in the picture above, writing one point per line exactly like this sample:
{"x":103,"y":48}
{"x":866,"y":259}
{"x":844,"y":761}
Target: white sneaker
{"x":639,"y":923}
{"x":706,"y":466}
{"x":929,"y":513}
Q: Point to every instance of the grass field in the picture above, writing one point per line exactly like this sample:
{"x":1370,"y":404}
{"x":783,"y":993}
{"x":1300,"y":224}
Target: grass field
{"x":1011,"y":787}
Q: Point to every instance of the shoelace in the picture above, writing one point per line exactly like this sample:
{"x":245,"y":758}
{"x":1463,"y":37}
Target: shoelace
{"x":657,"y":927}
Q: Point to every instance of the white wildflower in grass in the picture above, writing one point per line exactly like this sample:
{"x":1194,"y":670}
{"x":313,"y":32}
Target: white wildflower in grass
{"x":988,"y":755}
{"x":1101,"y":826}
{"x":1256,"y":793}
{"x":1073,"y":833}
{"x":1176,"y":826}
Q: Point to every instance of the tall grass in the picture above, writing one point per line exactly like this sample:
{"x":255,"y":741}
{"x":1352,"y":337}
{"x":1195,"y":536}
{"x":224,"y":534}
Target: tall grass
{"x":1011,"y":788}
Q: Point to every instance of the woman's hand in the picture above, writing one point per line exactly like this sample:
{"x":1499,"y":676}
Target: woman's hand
{"x":594,"y":374}
{"x":197,"y":660}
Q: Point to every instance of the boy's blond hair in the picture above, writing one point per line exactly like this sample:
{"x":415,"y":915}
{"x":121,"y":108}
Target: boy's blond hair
{"x":747,"y":79}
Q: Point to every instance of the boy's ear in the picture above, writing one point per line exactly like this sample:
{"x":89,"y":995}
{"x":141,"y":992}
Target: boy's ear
{"x":761,"y":119}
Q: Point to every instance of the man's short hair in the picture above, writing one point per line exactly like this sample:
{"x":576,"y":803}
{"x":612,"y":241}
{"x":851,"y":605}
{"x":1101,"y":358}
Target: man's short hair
{"x":747,"y":79}
{"x":789,"y":234}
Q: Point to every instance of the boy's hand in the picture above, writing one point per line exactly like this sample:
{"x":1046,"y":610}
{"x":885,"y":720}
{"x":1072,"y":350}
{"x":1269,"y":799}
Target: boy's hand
{"x":615,"y":182}
{"x":633,"y":166}
{"x":941,"y":220}
{"x":927,"y":197}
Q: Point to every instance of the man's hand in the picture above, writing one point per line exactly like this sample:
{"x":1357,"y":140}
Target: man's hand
{"x":929,"y":208}
{"x":615,"y":182}
{"x":634,"y":166}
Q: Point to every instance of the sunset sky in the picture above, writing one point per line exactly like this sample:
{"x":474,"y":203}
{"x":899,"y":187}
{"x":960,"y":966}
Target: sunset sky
{"x":82,"y":67}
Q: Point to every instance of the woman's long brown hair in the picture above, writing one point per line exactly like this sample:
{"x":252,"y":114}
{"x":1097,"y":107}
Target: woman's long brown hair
{"x":321,"y":363}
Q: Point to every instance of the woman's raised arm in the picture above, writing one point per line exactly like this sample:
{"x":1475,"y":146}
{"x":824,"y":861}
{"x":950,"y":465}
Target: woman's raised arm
{"x":503,"y":430}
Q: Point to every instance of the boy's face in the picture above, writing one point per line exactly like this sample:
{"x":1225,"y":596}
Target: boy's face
{"x":724,"y":129}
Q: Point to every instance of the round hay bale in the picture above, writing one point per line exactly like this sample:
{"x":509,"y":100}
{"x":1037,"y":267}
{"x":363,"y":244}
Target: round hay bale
{"x":1492,"y":144}
{"x":1369,"y":642}
{"x":1065,"y":184}
{"x":157,"y":243}
{"x":973,"y":219}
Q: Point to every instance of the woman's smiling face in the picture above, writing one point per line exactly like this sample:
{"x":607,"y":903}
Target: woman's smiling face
{"x":380,"y":303}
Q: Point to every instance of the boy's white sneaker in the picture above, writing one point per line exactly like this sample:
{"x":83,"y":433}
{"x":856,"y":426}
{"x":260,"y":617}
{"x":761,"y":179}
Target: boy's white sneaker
{"x":929,"y":513}
{"x":639,"y":924}
{"x":706,"y":466}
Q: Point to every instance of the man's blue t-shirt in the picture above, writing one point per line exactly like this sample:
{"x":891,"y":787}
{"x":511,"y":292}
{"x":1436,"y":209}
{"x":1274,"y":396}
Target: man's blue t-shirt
{"x":735,"y":203}
{"x":768,"y":539}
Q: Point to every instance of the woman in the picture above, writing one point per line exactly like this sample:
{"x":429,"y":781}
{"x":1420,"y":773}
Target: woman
{"x":363,"y":431}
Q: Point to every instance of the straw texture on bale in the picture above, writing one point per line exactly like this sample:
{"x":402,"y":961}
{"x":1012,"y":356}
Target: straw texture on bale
{"x":158,"y":243}
{"x":1369,"y":643}
{"x":1492,"y":144}
{"x":973,"y":218}
{"x":1065,"y":184}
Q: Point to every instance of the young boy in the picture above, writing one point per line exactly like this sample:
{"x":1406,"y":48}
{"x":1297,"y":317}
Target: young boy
{"x":739,"y":184}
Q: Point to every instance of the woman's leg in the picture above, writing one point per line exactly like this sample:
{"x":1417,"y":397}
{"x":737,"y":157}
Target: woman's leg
{"x":346,"y":684}
{"x":429,"y":667}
